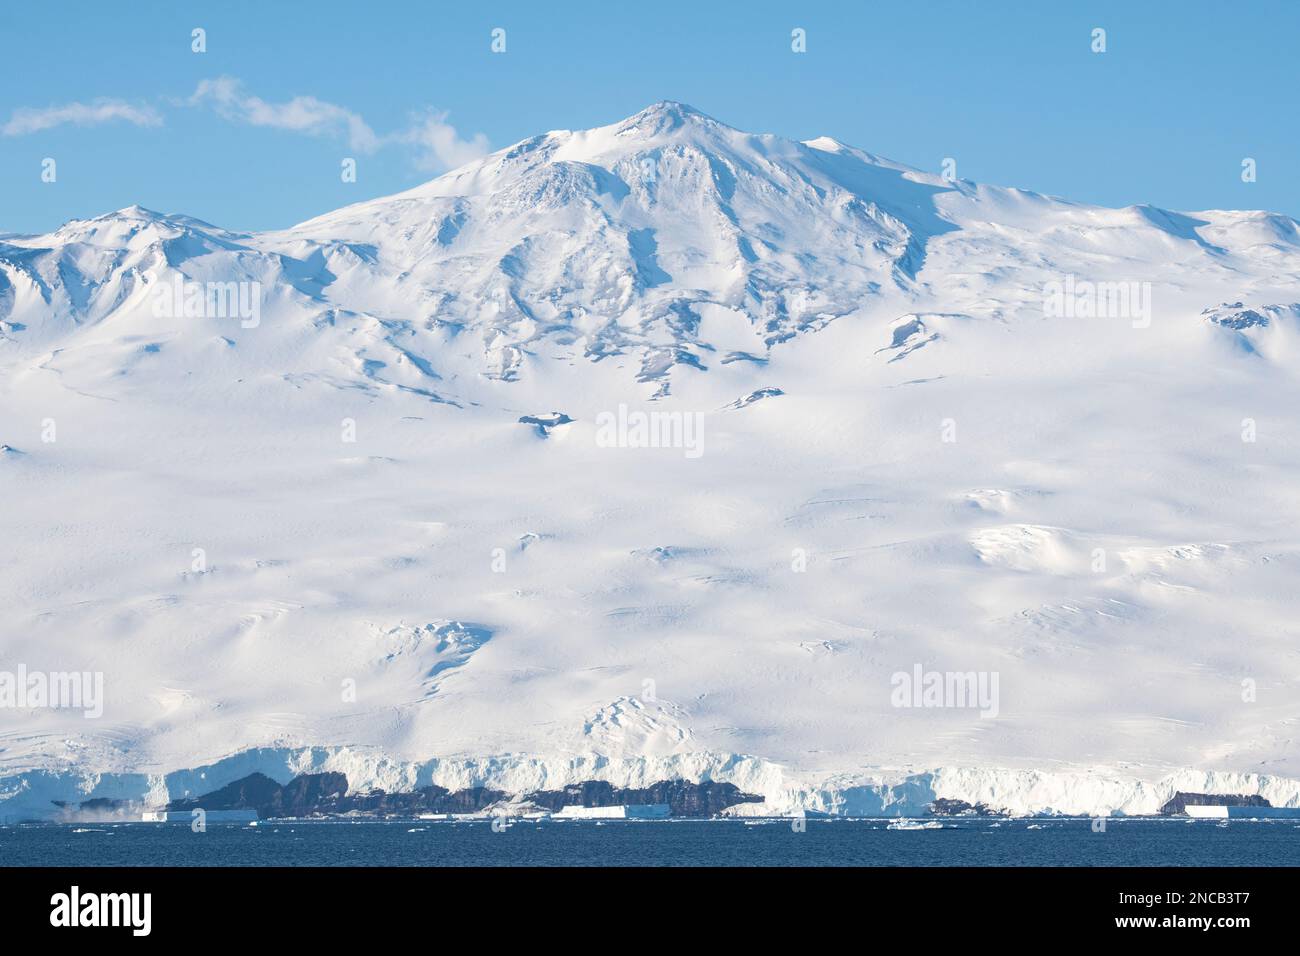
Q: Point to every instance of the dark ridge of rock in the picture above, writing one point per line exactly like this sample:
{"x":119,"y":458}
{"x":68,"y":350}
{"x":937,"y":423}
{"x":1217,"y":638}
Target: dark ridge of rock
{"x":432,"y":799}
{"x":590,"y":793}
{"x":326,"y":794}
{"x":382,"y":804}
{"x":685,"y":799}
{"x":96,"y":804}
{"x":544,"y":423}
{"x":946,"y":807}
{"x":1231,"y":315}
{"x":703,"y":799}
{"x":303,"y":794}
{"x":1181,"y":801}
{"x":257,"y":792}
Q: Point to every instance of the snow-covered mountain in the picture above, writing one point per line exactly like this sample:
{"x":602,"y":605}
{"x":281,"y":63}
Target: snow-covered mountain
{"x":277,"y":489}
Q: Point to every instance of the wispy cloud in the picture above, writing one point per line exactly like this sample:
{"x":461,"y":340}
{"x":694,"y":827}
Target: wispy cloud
{"x":33,"y":119}
{"x":302,"y":114}
{"x":438,"y":144}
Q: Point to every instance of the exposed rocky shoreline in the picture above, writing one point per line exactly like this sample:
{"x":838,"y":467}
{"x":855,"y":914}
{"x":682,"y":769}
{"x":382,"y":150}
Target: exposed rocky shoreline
{"x":1181,"y":801}
{"x":944,"y":807}
{"x":360,"y":784}
{"x":326,"y":795}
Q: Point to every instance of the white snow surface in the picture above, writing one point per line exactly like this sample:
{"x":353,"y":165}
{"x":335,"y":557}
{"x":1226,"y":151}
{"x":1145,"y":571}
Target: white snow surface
{"x":523,"y":607}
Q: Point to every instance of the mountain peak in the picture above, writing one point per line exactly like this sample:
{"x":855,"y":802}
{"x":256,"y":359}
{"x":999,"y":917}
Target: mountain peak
{"x":672,"y":108}
{"x":665,"y":116}
{"x":136,"y":216}
{"x":134,"y":211}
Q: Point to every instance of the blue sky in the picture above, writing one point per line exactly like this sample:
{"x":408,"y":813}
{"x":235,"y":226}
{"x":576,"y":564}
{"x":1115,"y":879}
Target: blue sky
{"x":1011,"y":90}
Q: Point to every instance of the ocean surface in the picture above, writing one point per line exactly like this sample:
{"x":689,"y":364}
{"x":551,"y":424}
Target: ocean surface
{"x":1054,"y":842}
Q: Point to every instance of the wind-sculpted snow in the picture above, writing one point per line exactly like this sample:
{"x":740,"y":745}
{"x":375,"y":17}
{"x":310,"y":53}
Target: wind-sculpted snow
{"x":626,"y":453}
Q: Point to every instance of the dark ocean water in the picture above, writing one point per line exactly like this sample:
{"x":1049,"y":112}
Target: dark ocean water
{"x":1058,"y":842}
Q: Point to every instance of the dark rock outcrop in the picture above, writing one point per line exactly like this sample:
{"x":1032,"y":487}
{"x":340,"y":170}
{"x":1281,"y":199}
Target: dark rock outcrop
{"x":1231,"y":315}
{"x":254,"y":792}
{"x":301,"y":796}
{"x":544,"y":423}
{"x":1181,"y":801}
{"x":685,"y":799}
{"x":326,"y":794}
{"x":430,"y":799}
{"x":946,"y":807}
{"x":106,"y":805}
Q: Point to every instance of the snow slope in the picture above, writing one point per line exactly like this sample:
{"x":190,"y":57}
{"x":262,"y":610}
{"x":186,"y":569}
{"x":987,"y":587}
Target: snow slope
{"x":909,"y":457}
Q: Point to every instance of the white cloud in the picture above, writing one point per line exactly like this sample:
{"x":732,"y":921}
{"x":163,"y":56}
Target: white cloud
{"x":436,"y":142}
{"x":302,"y":114}
{"x":439,"y":145}
{"x":32,"y":120}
